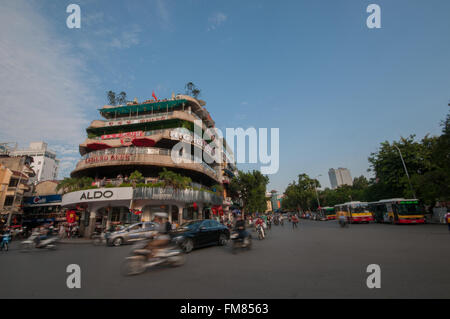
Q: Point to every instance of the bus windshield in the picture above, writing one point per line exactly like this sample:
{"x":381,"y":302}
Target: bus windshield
{"x":409,"y":209}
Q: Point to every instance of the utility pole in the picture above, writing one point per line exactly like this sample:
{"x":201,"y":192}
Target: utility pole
{"x":406,"y":170}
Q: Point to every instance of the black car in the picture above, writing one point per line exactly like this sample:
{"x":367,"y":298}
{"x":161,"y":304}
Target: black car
{"x":200,"y":233}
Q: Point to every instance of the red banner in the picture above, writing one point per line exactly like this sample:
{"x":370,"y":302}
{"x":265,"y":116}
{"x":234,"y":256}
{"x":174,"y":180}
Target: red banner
{"x":119,"y":135}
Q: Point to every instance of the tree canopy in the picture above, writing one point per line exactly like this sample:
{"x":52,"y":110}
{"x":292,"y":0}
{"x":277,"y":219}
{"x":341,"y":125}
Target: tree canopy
{"x":250,"y":189}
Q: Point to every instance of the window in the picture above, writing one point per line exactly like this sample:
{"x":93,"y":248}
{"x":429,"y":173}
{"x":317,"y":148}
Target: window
{"x":207,"y":224}
{"x":13,"y":183}
{"x":9,"y":200}
{"x":149,"y":226}
{"x":135,"y":227}
{"x":215,"y":223}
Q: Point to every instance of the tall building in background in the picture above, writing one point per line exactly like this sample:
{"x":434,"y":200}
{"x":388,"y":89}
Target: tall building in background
{"x":44,"y":163}
{"x":340,"y":176}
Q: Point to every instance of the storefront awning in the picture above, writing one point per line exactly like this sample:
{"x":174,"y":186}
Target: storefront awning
{"x":143,"y":142}
{"x":97,"y":146}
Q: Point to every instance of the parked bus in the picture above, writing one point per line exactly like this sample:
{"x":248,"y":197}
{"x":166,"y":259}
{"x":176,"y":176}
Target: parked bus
{"x":356,"y":212}
{"x":398,"y":211}
{"x":328,"y":213}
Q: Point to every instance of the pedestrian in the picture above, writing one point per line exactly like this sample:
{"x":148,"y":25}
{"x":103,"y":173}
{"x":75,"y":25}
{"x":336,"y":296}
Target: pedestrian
{"x":294,"y":220}
{"x":447,"y":218}
{"x":61,"y":231}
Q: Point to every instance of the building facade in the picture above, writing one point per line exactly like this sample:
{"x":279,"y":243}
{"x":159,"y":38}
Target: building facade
{"x":15,"y":173}
{"x":43,"y":205}
{"x":45,"y":164}
{"x":340,"y":176}
{"x":151,"y":137}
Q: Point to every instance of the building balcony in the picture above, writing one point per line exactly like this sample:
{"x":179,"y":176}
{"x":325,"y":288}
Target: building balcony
{"x":140,"y":157}
{"x":102,"y":125}
{"x":179,"y":195}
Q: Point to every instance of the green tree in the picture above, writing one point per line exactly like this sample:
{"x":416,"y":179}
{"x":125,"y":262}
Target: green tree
{"x":74,"y":184}
{"x":388,"y":168}
{"x":111,"y":96}
{"x":122,"y":98}
{"x":192,"y":90}
{"x":301,"y":195}
{"x":174,"y":180}
{"x":135,"y":177}
{"x":250,"y":189}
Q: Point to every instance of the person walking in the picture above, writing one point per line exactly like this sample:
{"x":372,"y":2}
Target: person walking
{"x":294,"y":220}
{"x":447,"y":218}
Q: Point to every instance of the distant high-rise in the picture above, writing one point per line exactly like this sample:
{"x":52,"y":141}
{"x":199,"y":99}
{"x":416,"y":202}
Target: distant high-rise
{"x":340,"y":176}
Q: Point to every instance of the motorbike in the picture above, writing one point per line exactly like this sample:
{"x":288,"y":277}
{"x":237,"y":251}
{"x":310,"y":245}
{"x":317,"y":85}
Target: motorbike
{"x":6,"y":239}
{"x":34,"y":242}
{"x":139,"y":260}
{"x":240,"y":243}
{"x":259,"y":230}
{"x":342,"y":222}
{"x":99,"y":238}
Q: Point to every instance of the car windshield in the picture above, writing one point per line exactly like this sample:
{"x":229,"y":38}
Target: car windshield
{"x":191,"y":225}
{"x":409,"y":209}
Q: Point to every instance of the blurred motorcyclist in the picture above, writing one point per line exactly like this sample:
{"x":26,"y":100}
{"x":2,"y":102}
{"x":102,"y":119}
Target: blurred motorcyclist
{"x":240,"y":228}
{"x":162,"y":238}
{"x":342,"y":218}
{"x":259,"y":222}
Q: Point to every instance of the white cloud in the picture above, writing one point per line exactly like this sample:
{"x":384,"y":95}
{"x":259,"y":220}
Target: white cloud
{"x":127,"y":38}
{"x":42,"y":84}
{"x":216,"y":20}
{"x":163,"y":14}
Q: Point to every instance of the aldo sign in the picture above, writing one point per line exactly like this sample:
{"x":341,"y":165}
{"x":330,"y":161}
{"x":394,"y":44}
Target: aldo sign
{"x":97,"y":195}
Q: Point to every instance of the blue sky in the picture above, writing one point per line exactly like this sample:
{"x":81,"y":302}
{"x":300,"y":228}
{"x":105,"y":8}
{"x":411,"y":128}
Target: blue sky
{"x":335,"y":88}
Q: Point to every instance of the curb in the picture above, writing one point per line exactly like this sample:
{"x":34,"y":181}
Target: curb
{"x":87,"y":241}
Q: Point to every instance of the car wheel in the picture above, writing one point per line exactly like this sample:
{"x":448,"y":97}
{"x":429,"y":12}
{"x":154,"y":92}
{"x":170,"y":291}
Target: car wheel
{"x":188,"y":246}
{"x":118,"y":241}
{"x":222,"y":240}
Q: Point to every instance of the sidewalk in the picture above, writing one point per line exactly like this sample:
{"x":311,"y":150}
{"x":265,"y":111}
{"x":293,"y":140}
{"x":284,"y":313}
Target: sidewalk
{"x":76,"y":241}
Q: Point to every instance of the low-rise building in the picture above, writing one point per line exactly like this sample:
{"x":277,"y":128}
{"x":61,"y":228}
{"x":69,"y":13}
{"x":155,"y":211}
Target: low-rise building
{"x":16,"y":172}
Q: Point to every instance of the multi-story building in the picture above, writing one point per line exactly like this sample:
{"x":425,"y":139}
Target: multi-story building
{"x":276,"y":200}
{"x":340,"y":176}
{"x":15,"y":173}
{"x":147,"y":137}
{"x":45,"y":164}
{"x":269,"y":203}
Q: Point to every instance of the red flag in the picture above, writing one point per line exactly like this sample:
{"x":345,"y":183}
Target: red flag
{"x":70,"y":216}
{"x":154,"y":96}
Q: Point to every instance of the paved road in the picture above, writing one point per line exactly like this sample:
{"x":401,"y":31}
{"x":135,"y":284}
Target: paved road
{"x":319,"y":260}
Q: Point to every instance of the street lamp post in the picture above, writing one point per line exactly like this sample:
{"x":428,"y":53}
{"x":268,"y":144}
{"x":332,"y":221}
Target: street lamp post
{"x":406,"y":170}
